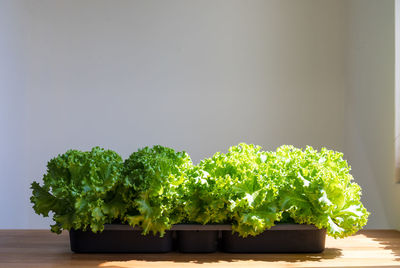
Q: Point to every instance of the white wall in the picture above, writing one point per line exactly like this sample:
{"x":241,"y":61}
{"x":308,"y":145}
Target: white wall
{"x":194,"y":75}
{"x":14,"y":191}
{"x":369,"y":127}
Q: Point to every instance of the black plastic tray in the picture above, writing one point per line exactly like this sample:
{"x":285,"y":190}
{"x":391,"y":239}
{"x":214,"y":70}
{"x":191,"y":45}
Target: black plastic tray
{"x":113,"y":240}
{"x":285,"y":238}
{"x":194,"y":238}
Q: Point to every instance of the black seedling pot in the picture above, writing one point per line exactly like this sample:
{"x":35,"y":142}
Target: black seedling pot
{"x":196,"y":238}
{"x":197,"y":241}
{"x":282,"y":238}
{"x":119,"y":238}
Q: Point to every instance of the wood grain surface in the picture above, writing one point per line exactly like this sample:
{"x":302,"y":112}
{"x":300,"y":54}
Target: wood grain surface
{"x":41,"y":248}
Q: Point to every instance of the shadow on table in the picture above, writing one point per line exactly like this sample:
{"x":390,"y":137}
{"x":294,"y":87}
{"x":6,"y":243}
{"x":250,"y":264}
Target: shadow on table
{"x":389,"y":240}
{"x":129,"y":260}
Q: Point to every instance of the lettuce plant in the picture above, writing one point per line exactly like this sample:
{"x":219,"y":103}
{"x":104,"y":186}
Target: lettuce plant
{"x":153,"y":178}
{"x":317,"y":188}
{"x":79,"y":188}
{"x":233,"y":188}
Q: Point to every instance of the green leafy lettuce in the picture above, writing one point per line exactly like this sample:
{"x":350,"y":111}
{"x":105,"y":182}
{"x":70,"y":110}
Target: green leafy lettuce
{"x":317,"y":188}
{"x":153,"y":182}
{"x":233,"y":188}
{"x":79,"y":188}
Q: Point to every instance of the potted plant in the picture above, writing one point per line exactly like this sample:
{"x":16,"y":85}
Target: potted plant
{"x":255,"y":201}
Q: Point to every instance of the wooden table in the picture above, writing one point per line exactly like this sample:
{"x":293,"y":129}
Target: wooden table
{"x":40,"y":248}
